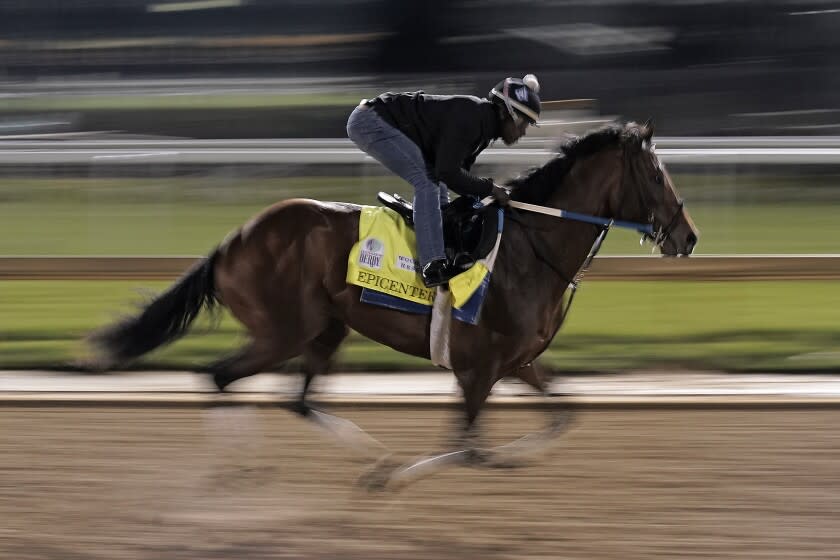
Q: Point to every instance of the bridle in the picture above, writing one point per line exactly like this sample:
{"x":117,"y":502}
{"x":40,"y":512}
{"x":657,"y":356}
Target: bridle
{"x":660,"y":235}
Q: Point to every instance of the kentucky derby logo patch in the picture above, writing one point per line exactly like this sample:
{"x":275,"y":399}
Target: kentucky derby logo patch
{"x":370,"y":255}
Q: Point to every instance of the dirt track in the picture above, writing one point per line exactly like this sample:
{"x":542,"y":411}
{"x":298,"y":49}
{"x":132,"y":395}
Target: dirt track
{"x":632,"y":483}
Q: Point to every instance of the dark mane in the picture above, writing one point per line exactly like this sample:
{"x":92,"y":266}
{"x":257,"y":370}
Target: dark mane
{"x":537,"y":184}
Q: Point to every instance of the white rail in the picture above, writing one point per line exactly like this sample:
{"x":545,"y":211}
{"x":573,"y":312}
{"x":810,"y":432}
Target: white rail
{"x":699,"y":151}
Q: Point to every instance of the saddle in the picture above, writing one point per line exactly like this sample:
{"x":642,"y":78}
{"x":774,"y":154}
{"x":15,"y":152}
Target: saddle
{"x":469,"y":230}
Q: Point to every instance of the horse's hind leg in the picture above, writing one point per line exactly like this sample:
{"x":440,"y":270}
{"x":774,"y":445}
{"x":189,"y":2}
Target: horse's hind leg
{"x":233,"y":428}
{"x":249,"y":360}
{"x":317,"y":358}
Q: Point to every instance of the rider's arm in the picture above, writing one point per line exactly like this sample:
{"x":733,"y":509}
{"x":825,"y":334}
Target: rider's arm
{"x":454,"y":148}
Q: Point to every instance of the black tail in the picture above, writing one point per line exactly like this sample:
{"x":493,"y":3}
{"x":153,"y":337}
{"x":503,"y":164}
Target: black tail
{"x":163,"y":320}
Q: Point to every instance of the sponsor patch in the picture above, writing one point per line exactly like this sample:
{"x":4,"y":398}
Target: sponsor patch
{"x":522,"y":94}
{"x":407,"y":263}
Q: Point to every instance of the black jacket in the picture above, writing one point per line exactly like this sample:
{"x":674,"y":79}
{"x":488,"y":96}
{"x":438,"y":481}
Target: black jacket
{"x":451,"y":130}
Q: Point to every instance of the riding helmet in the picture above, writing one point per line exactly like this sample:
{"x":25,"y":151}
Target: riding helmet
{"x":521,"y":96}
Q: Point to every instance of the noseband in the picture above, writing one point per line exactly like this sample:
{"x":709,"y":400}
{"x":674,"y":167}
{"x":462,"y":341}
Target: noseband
{"x":663,"y":233}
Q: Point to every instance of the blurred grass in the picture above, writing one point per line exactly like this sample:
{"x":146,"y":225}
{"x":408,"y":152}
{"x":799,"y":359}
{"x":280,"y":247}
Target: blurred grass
{"x":615,"y":326}
{"x":190,"y":215}
{"x":737,"y":326}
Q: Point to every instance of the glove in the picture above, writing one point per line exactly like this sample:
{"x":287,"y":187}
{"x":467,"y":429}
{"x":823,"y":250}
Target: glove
{"x":501,"y":194}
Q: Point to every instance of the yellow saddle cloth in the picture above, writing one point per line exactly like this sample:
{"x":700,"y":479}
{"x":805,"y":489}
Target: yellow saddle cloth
{"x":385,"y":260}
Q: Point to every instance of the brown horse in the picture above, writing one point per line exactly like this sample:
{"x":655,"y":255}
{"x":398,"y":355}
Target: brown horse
{"x":283,"y":276}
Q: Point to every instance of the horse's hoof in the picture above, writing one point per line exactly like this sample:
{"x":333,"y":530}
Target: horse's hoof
{"x":563,"y":422}
{"x":477,"y":457}
{"x":490,"y":459}
{"x":377,"y":477}
{"x":221,"y":382}
{"x":374,"y":480}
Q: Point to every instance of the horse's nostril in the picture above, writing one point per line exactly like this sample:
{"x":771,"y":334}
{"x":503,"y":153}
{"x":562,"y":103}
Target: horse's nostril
{"x":691,"y":241}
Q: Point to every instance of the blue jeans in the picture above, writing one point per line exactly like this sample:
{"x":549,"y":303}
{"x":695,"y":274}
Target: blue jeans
{"x":400,"y":155}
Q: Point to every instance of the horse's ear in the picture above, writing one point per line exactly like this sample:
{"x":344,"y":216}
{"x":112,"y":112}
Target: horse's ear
{"x":647,"y":132}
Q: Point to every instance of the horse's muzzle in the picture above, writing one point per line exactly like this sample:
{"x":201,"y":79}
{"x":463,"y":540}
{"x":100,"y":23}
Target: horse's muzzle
{"x":690,"y":243}
{"x":671,"y":247}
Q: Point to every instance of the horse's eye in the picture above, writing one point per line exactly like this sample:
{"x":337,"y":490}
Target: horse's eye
{"x":658,"y":178}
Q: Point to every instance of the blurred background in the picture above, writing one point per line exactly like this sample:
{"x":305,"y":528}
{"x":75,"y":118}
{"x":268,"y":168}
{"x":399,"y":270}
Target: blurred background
{"x":699,"y":67}
{"x":135,"y":134}
{"x":153,"y":127}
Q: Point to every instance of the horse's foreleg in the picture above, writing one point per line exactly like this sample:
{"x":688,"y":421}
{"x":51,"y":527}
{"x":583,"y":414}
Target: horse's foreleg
{"x":560,"y":416}
{"x":518,"y":453}
{"x":536,"y":444}
{"x":476,"y":386}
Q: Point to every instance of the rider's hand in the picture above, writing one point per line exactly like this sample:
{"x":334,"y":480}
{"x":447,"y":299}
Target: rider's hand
{"x":501,"y":194}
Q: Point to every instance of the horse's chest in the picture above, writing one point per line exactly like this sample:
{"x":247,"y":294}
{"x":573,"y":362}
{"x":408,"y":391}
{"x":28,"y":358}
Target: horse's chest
{"x":535,"y":340}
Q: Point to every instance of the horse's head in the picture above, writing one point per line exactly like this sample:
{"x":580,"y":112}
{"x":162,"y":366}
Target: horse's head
{"x":648,"y":195}
{"x":621,"y":178}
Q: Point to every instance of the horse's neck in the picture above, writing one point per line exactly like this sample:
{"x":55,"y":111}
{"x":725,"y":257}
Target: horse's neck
{"x":564,"y":243}
{"x":585,"y":190}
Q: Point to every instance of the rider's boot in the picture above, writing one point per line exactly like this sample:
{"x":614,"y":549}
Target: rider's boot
{"x":438,"y":272}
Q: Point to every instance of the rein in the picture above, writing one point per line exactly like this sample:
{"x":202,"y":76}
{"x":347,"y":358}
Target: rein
{"x":647,"y":231}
